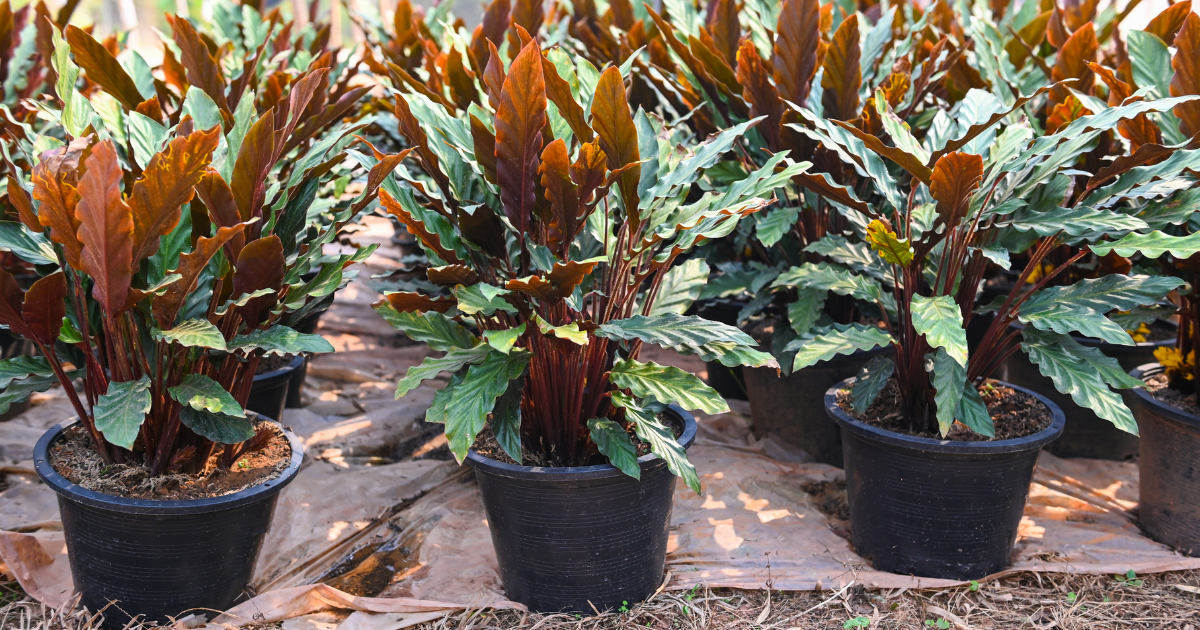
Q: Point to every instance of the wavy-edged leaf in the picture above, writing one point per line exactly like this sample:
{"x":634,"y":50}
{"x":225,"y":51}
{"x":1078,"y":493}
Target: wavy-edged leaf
{"x":22,"y":367}
{"x":897,"y":251}
{"x":955,"y":178}
{"x":842,"y":72}
{"x":949,"y":378}
{"x":1081,"y":307}
{"x":1071,"y":64}
{"x":973,"y":413}
{"x":1186,"y":81}
{"x":105,"y":228}
{"x":505,"y":420}
{"x":431,"y":328}
{"x":561,"y":192}
{"x":806,"y":310}
{"x":825,"y":277}
{"x":11,"y":300}
{"x":759,"y":92}
{"x":520,"y":117}
{"x":279,"y":340}
{"x":1083,"y":373}
{"x":940,"y":320}
{"x":193,"y":333}
{"x":218,"y":427}
{"x":681,"y":287}
{"x":1151,"y":245}
{"x":191,"y":265}
{"x":689,"y":334}
{"x":120,"y":412}
{"x":1166,"y":25}
{"x":614,"y":443}
{"x":102,"y":68}
{"x":453,"y":361}
{"x":504,"y":340}
{"x":660,"y":438}
{"x":1074,"y":221}
{"x":667,"y":384}
{"x":618,"y":137}
{"x":825,"y":342}
{"x":483,"y":298}
{"x":55,"y":182}
{"x":166,"y":184}
{"x":202,"y":68}
{"x":204,"y":394}
{"x":703,"y":156}
{"x":44,"y":308}
{"x":870,"y":381}
{"x":475,"y":397}
{"x":261,"y":265}
{"x":558,"y":91}
{"x":797,"y":40}
{"x":567,"y":332}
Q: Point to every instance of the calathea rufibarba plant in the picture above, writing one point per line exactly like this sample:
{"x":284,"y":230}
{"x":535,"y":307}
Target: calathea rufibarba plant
{"x":164,"y":284}
{"x":554,"y":230}
{"x":958,"y":213}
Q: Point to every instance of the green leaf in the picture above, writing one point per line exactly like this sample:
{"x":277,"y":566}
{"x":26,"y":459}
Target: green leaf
{"x":193,"y":333}
{"x":939,"y":319}
{"x":660,"y":438}
{"x":681,"y":287}
{"x":203,"y":110}
{"x":949,"y":377}
{"x":146,"y":135}
{"x":280,"y":340}
{"x":454,"y":360}
{"x":853,"y":254}
{"x":218,"y":427}
{"x":899,"y":130}
{"x":77,"y":111}
{"x":806,"y":310}
{"x":29,"y":246}
{"x":702,"y":157}
{"x":1134,"y":317}
{"x":475,"y":397}
{"x":506,"y":419}
{"x":871,"y":380}
{"x":825,"y":342}
{"x":67,"y":333}
{"x":825,"y":277}
{"x":432,"y":328}
{"x":1080,"y":307}
{"x":1083,"y":373}
{"x":689,"y":334}
{"x":504,"y":340}
{"x":22,"y":367}
{"x":19,"y":390}
{"x":973,"y":413}
{"x":121,"y":411}
{"x":482,"y":298}
{"x":1152,"y":245}
{"x":772,"y":226}
{"x":1151,"y":61}
{"x":668,"y":384}
{"x":568,"y":332}
{"x":202,"y":393}
{"x":614,"y":443}
{"x":1074,"y":221}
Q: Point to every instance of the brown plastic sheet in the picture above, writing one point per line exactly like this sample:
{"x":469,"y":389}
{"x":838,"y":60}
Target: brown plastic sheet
{"x":361,"y":519}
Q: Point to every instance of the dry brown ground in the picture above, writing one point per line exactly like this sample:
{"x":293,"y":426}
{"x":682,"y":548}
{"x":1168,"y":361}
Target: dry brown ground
{"x":1029,"y":600}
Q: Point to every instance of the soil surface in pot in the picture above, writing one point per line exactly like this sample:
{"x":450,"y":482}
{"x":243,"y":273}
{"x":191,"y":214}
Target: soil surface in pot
{"x":273,"y":362}
{"x":73,"y":457}
{"x":1158,"y":388}
{"x":1015,"y":414}
{"x":486,"y":445}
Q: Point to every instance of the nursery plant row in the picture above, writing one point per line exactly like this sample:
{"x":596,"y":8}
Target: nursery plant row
{"x":926,"y":239}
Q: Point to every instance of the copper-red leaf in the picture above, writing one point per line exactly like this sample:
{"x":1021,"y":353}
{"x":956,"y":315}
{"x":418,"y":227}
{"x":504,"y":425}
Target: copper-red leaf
{"x":55,"y":178}
{"x":105,"y":229}
{"x":955,"y":178}
{"x":45,"y":306}
{"x":759,"y":92}
{"x":520,"y":118}
{"x":261,"y":265}
{"x":102,"y":67}
{"x":843,"y":72}
{"x":166,"y":184}
{"x":618,"y":137}
{"x":1186,"y":63}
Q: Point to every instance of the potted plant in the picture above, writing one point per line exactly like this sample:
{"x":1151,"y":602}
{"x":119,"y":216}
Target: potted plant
{"x":555,"y":254}
{"x":164,"y":286}
{"x":937,"y":462}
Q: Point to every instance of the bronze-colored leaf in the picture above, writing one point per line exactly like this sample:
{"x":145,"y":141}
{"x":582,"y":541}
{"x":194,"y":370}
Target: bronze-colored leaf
{"x":1140,"y":130}
{"x":493,"y":77}
{"x":618,"y":138}
{"x":23,"y":201}
{"x":759,"y":92}
{"x":496,"y":19}
{"x":843,"y":72}
{"x":484,"y":142}
{"x":1186,"y":63}
{"x":1071,"y":63}
{"x":11,"y":301}
{"x":529,"y":15}
{"x":562,"y":193}
{"x":253,"y":165}
{"x":567,"y":275}
{"x":261,"y":265}
{"x":45,"y":306}
{"x":906,"y":160}
{"x":105,"y":228}
{"x":452,"y":275}
{"x":1032,"y":34}
{"x":484,"y":228}
{"x":798,"y":34}
{"x":559,"y":93}
{"x":1144,"y":154}
{"x":217,"y":197}
{"x":722,"y":23}
{"x":166,"y":306}
{"x":1076,"y":13}
{"x":460,"y":80}
{"x":416,"y":228}
{"x":588,"y":171}
{"x":1167,"y":24}
{"x":55,"y":178}
{"x":102,"y":67}
{"x":536,"y":286}
{"x":955,"y":178}
{"x":1056,"y":29}
{"x":166,"y":184}
{"x":174,"y":72}
{"x":519,"y":122}
{"x":406,"y":302}
{"x":622,"y":11}
{"x":203,"y":71}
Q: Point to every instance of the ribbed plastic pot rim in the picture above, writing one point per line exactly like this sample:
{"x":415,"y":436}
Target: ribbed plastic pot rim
{"x":578,"y":473}
{"x":91,"y":498}
{"x":283,"y":372}
{"x":954,"y":447}
{"x":1141,"y":372}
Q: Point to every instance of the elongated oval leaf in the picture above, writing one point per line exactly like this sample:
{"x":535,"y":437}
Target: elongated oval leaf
{"x":520,"y":117}
{"x":218,"y":427}
{"x":940,"y":320}
{"x":825,"y":342}
{"x":204,"y":394}
{"x":120,"y":412}
{"x":614,"y":443}
{"x":280,"y":340}
{"x":667,"y":384}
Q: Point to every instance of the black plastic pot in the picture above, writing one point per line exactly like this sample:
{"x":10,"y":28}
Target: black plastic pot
{"x":269,"y":393}
{"x":296,"y":383}
{"x":1086,"y":434}
{"x":159,"y":559}
{"x":729,"y":382}
{"x":1169,"y":468}
{"x":792,"y":407}
{"x":936,"y":508}
{"x":570,"y":538}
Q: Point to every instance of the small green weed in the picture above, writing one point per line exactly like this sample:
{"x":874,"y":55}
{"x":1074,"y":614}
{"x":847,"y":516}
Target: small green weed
{"x":857,"y":622}
{"x":1129,"y":579}
{"x":940,"y":624}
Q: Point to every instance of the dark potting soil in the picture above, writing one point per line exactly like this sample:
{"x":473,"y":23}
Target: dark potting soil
{"x":486,"y":445}
{"x":1161,"y":331}
{"x":73,"y":457}
{"x":1157,"y":386}
{"x":1015,"y":414}
{"x":273,"y":362}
